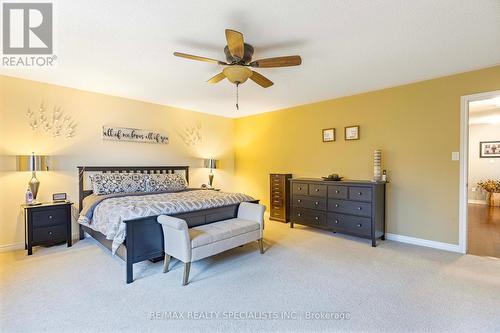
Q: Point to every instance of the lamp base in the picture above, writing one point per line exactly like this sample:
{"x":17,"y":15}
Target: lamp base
{"x":210,"y":179}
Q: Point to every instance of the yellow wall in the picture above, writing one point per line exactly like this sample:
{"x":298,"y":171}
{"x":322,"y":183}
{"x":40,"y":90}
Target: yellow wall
{"x":91,"y":111}
{"x":415,"y":125}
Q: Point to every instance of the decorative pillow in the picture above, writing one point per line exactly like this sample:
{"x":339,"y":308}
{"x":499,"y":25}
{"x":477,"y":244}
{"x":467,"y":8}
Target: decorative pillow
{"x":107,"y":183}
{"x":166,"y":182}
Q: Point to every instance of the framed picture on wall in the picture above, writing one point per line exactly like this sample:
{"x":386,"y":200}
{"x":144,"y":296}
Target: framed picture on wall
{"x":351,"y":133}
{"x":489,"y":149}
{"x":328,"y":134}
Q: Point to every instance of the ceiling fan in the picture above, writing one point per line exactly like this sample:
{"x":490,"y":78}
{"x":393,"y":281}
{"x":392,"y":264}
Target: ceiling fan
{"x":239,"y":59}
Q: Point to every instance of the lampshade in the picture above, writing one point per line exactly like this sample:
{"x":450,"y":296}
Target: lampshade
{"x":32,"y":163}
{"x":237,"y":74}
{"x":211,"y":163}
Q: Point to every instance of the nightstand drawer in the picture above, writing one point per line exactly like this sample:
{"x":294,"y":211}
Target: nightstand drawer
{"x":49,"y":217}
{"x":50,"y":234}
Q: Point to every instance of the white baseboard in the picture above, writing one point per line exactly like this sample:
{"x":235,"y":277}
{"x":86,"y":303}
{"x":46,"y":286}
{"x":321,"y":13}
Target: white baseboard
{"x":424,"y":242}
{"x":20,"y":246}
{"x":11,"y":247}
{"x":479,"y":202}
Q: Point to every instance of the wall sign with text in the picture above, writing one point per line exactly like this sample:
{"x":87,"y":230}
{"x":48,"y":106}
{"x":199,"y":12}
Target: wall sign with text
{"x":134,"y":135}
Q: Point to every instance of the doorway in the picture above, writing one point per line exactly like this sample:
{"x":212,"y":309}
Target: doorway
{"x":480,"y":175}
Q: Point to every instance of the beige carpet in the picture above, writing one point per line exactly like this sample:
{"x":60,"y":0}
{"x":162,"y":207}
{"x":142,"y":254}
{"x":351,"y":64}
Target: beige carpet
{"x":394,"y":287}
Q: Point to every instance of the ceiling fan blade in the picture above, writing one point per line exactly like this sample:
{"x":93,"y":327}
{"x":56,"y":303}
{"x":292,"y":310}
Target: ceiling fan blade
{"x":235,"y":43}
{"x":194,"y":57}
{"x":294,"y":60}
{"x":261,"y":80}
{"x":217,"y":78}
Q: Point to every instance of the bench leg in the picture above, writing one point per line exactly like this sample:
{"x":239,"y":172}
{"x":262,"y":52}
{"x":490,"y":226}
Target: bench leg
{"x":261,"y":246}
{"x":185,"y":280}
{"x":166,"y":262}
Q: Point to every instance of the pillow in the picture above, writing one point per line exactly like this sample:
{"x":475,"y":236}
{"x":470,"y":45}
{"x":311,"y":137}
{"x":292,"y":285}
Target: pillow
{"x":107,"y":183}
{"x":166,"y":182}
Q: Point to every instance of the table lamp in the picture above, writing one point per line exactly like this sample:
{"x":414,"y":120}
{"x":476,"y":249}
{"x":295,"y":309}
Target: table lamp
{"x":211,"y":164}
{"x":33,"y":163}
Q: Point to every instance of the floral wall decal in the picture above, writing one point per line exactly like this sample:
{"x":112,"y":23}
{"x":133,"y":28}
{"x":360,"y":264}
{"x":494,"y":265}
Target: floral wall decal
{"x":191,"y":135}
{"x":55,"y":123}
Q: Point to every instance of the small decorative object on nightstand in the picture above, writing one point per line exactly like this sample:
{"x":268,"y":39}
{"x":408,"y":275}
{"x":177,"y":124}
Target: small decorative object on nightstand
{"x":47,"y":224}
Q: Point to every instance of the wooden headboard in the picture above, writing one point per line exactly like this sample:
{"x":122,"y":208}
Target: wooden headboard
{"x":84,"y":171}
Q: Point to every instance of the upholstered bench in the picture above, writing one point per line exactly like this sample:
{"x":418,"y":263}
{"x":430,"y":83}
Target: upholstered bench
{"x":191,"y":244}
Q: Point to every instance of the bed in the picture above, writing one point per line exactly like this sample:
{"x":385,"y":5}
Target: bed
{"x":143,"y":236}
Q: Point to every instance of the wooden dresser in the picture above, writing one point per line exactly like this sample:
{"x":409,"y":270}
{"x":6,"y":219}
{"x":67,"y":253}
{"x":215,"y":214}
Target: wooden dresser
{"x":280,"y":196}
{"x":350,"y":207}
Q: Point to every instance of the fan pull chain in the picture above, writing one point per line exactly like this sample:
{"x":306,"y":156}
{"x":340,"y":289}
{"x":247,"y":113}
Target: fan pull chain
{"x":237,"y":97}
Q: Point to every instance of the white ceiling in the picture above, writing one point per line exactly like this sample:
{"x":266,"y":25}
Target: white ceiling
{"x":485,"y":111}
{"x":125,"y":47}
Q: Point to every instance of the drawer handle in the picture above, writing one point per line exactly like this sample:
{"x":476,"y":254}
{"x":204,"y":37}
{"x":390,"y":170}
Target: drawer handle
{"x":317,"y":190}
{"x":359,"y":208}
{"x":316,"y":203}
{"x":50,"y":217}
{"x":50,"y":232}
{"x":316,"y":218}
{"x":299,"y":200}
{"x":300,"y":188}
{"x":359,"y":193}
{"x":298,"y":214}
{"x":337,"y":191}
{"x":336,"y":205}
{"x":358,"y":225}
{"x":336,"y":221}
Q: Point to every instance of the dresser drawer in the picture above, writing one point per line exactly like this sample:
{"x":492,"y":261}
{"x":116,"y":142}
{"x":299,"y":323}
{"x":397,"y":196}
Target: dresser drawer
{"x":49,"y":217}
{"x":350,"y":207}
{"x":338,"y":192}
{"x":360,"y":193}
{"x":55,"y":233}
{"x":300,"y":188}
{"x":308,"y":216}
{"x":317,"y":190}
{"x":351,"y":224}
{"x":309,"y":202}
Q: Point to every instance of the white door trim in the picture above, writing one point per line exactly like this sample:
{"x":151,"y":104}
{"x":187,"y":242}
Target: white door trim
{"x":464,"y":162}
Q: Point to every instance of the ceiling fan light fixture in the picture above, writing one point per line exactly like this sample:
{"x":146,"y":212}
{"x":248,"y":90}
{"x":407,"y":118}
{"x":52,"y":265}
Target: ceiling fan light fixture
{"x":237,"y":74}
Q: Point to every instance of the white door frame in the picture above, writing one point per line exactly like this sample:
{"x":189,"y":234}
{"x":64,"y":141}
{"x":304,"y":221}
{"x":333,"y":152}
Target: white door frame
{"x":464,"y":162}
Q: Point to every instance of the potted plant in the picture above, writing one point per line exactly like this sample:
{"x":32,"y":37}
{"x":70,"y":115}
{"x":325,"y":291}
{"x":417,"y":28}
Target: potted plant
{"x":493,"y":189}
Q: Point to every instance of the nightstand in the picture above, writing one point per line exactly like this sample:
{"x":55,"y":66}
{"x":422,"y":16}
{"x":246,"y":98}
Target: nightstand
{"x":47,"y":224}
